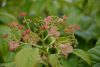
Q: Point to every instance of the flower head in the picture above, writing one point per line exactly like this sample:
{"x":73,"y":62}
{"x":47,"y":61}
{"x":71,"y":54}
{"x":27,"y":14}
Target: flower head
{"x":20,"y":27}
{"x":53,"y":32}
{"x":66,"y":48}
{"x":31,"y":38}
{"x":44,"y":27}
{"x":13,"y":45}
{"x":47,"y":20}
{"x":14,"y":24}
{"x":64,"y":17}
{"x":23,"y":14}
{"x":72,"y":28}
{"x":26,"y":32}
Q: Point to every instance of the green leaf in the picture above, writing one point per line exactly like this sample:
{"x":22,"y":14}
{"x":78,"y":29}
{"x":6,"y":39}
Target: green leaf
{"x":83,"y":55}
{"x":98,"y":42}
{"x":96,"y":65}
{"x":9,"y":57}
{"x":3,"y":48}
{"x":4,"y":30}
{"x":53,"y":60}
{"x":64,"y":39}
{"x":11,"y":64}
{"x":95,"y":54}
{"x":6,"y":17}
{"x":27,"y":57}
{"x":65,"y":63}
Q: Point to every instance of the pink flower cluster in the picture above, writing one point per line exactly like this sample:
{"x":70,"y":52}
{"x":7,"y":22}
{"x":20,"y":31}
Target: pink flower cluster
{"x":66,"y":48}
{"x":64,"y":17}
{"x":26,"y":35}
{"x":53,"y":32}
{"x":26,"y":32}
{"x":47,"y":20}
{"x":72,"y":28}
{"x":13,"y":45}
{"x":45,"y":27}
{"x":16,"y":25}
{"x":23,"y":14}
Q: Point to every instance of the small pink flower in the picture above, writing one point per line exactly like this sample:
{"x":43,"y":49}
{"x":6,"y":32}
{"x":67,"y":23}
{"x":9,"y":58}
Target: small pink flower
{"x":14,"y":24}
{"x":57,"y":34}
{"x":72,"y":28}
{"x":44,"y":27}
{"x":64,"y":17}
{"x":66,"y":48}
{"x":13,"y":45}
{"x":20,"y":27}
{"x":24,"y":33}
{"x":23,"y":14}
{"x":47,"y":20}
{"x":27,"y":31}
{"x":31,"y":38}
{"x":53,"y":32}
{"x":26,"y":38}
{"x":69,"y":30}
{"x":77,"y":27}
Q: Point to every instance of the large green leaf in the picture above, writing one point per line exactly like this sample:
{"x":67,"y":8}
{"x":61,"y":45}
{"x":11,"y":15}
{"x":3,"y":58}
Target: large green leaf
{"x":82,"y":54}
{"x":27,"y":57}
{"x":95,"y":54}
{"x":6,"y":17}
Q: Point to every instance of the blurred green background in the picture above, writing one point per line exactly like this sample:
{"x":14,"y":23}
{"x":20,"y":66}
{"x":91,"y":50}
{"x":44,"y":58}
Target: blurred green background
{"x":85,"y":13}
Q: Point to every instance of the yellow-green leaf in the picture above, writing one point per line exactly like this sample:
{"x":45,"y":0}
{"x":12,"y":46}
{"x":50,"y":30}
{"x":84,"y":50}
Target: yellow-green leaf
{"x":83,"y":55}
{"x":53,"y":60}
{"x":27,"y":57}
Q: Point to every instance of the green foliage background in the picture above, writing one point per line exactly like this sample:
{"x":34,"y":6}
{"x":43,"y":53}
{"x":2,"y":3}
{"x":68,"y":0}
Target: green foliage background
{"x":85,"y":13}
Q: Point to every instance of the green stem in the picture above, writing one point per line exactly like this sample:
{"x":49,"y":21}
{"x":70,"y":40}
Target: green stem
{"x":32,"y":44}
{"x":43,"y":41}
{"x":27,"y":24}
{"x":46,"y":37}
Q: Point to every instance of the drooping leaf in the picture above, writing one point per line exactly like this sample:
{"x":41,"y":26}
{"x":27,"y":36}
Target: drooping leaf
{"x":83,"y":55}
